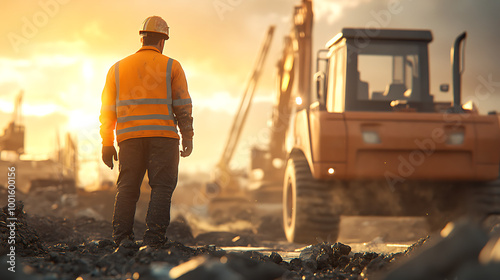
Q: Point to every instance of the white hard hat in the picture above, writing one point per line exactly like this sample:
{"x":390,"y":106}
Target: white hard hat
{"x":155,"y":24}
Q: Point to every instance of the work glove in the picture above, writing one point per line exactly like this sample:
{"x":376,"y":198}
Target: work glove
{"x":108,"y":153}
{"x":187,"y":147}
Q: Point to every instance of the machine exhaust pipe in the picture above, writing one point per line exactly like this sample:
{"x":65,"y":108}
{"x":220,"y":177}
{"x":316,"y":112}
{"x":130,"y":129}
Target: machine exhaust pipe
{"x":457,"y":73}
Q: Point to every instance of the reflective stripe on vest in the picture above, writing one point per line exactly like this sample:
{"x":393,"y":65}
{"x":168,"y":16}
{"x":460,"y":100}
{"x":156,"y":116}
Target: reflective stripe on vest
{"x":179,"y":102}
{"x":148,"y":101}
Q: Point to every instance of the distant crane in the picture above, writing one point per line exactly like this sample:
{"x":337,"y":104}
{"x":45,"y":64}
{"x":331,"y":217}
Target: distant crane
{"x":13,"y":136}
{"x":31,"y":174}
{"x":227,"y":197}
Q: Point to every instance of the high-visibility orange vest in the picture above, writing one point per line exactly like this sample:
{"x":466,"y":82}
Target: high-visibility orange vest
{"x":143,"y":95}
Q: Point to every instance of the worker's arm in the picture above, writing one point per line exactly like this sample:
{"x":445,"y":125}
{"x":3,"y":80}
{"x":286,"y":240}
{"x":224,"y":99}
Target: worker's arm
{"x":108,"y":119}
{"x":182,"y":107}
{"x":108,"y":109}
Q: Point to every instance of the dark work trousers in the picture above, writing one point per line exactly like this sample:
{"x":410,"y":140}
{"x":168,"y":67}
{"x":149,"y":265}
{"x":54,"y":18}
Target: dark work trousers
{"x":160,"y":157}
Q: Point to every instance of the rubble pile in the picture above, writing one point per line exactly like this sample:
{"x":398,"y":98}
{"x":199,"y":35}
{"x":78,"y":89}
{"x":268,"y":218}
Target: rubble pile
{"x":463,"y":251}
{"x":336,"y":261}
{"x":48,"y":247}
{"x":27,"y":241}
{"x":58,"y":248}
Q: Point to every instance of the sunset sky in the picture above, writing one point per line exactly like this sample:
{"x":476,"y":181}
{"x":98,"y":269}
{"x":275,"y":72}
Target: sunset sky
{"x":59,"y":51}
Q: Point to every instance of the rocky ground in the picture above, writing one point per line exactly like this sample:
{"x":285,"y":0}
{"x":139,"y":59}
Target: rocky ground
{"x":69,"y":237}
{"x":49,"y":247}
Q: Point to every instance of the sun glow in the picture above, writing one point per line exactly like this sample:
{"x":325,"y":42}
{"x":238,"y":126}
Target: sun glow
{"x":87,"y":70}
{"x":79,"y":119}
{"x":37,"y":110}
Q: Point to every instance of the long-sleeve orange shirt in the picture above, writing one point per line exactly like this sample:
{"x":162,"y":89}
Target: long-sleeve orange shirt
{"x":145,"y":95}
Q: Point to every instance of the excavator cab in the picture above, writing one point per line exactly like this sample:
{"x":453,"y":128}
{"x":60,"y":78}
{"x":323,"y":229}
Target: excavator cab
{"x":385,"y":72}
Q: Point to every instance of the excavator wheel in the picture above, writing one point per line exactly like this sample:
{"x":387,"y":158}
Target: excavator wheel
{"x":309,"y":214}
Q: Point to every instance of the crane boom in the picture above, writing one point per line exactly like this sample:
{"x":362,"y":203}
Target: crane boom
{"x":245,"y":104}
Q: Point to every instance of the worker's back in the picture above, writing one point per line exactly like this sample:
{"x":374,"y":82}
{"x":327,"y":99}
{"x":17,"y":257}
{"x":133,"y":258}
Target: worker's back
{"x":143,"y":74}
{"x":145,"y":85}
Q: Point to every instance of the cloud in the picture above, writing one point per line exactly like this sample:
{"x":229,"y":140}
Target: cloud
{"x":331,"y":11}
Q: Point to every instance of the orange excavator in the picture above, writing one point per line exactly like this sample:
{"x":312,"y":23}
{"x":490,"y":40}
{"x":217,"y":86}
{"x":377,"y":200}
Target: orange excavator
{"x":363,"y":135}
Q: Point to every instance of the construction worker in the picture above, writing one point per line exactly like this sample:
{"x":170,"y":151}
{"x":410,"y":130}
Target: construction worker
{"x":145,"y":98}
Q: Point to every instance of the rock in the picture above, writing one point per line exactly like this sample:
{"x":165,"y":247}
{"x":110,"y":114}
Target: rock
{"x":310,"y":252}
{"x":324,"y":261}
{"x":233,"y":267}
{"x":296,"y":264}
{"x":416,"y":246}
{"x":377,"y":265}
{"x":203,"y":268}
{"x":27,"y":240}
{"x":276,"y":258}
{"x":474,"y":271}
{"x":310,"y":265}
{"x":342,"y":248}
{"x":343,"y":261}
{"x":105,"y":243}
{"x":253,"y":269}
{"x":491,"y":252}
{"x":463,"y":244}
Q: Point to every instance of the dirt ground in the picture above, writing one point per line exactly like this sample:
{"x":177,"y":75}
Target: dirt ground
{"x":69,"y":237}
{"x":80,"y":247}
